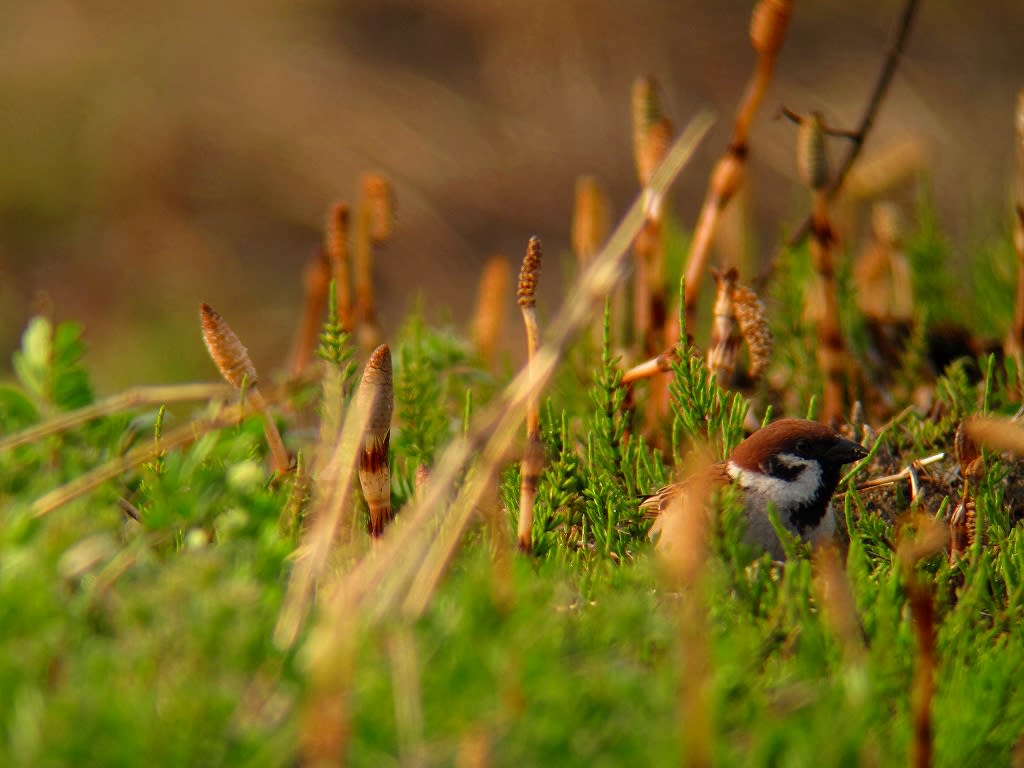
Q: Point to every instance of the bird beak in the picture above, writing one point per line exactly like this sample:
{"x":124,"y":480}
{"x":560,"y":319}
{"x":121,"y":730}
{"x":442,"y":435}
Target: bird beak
{"x":844,"y":451}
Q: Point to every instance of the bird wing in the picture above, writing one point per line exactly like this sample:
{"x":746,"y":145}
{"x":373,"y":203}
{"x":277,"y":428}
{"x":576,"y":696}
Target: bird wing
{"x":714,"y":476}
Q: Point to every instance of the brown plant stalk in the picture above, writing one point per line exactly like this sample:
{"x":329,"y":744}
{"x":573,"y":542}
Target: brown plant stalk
{"x":336,"y":233}
{"x":835,"y":595}
{"x":533,"y":454}
{"x":316,"y":280}
{"x":233,"y":362}
{"x":767,"y":32}
{"x":651,"y":367}
{"x":682,"y":546}
{"x":376,"y":394}
{"x":963,"y":520}
{"x":489,"y":316}
{"x":373,"y":228}
{"x":589,"y":232}
{"x":589,"y":219}
{"x":929,"y":540}
{"x":922,"y":609}
{"x":823,"y":300}
{"x":1015,"y":339}
{"x":652,"y":135}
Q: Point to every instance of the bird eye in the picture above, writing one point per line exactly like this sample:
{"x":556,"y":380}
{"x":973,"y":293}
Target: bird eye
{"x":803,"y":446}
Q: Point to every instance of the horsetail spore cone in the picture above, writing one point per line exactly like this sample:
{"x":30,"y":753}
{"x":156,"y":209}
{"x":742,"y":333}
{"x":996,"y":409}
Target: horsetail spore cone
{"x":533,"y":456}
{"x":235,"y":365}
{"x":377,"y":394}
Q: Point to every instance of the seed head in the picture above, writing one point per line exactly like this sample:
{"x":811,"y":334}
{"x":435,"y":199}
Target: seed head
{"x":336,"y":233}
{"x":754,"y":328}
{"x":590,"y":218}
{"x":226,"y":349}
{"x":380,"y":202}
{"x":646,"y":114}
{"x":528,"y":274}
{"x":811,"y":159}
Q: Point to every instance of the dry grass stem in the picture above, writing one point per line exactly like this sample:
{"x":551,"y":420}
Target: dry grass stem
{"x":489,"y":317}
{"x":94,"y":478}
{"x":836,"y":598}
{"x":325,"y":725}
{"x":334,"y":482}
{"x":233,"y":362}
{"x":768,"y":24}
{"x":904,"y":474}
{"x":407,"y":567}
{"x":376,"y":394}
{"x":652,"y":367}
{"x":130,"y":398}
{"x":408,"y":695}
{"x":681,"y":532}
{"x":533,"y":454}
{"x":316,"y":281}
{"x":336,"y":233}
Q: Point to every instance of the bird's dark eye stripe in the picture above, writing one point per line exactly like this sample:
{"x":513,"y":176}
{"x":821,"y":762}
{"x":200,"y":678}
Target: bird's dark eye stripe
{"x":776,"y":468}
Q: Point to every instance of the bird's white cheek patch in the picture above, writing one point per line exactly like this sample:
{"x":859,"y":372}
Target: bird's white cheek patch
{"x":785,"y":493}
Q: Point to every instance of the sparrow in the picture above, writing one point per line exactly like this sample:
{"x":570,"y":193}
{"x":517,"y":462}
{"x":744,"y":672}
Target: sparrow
{"x":792,"y":465}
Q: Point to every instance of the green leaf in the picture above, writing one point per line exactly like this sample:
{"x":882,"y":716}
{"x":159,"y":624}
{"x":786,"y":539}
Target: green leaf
{"x":32,"y":361}
{"x":16,"y":409}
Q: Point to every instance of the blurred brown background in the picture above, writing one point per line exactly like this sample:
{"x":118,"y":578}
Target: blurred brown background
{"x":156,"y":155}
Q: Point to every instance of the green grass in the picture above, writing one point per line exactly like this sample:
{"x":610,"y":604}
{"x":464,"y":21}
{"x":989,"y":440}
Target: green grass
{"x":128,"y":641}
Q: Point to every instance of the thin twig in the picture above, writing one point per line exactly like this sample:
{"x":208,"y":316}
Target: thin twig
{"x":867,"y":120}
{"x":903,"y":474}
